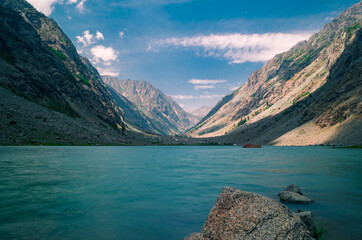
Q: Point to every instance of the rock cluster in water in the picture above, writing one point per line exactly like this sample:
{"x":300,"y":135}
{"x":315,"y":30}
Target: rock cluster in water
{"x":293,"y":194}
{"x":244,"y":215}
{"x":249,"y":145}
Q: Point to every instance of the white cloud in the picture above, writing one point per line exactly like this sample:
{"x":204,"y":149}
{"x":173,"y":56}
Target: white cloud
{"x":103,"y":53}
{"x":44,"y":6}
{"x":211,"y":96}
{"x":197,"y":87}
{"x":47,"y":6}
{"x":234,"y":88}
{"x":188,"y":97}
{"x":107,"y":71}
{"x":121,"y":34}
{"x":206,"y":81}
{"x":239,"y":48}
{"x":142,"y":3}
{"x":183,"y":97}
{"x":80,"y":6}
{"x":99,"y":36}
{"x":88,"y":39}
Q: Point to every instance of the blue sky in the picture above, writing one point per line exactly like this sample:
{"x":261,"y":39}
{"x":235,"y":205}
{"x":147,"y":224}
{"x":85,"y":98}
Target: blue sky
{"x":196,"y":51}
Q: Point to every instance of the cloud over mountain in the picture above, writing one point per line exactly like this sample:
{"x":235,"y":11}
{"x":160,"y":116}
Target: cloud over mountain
{"x":236,"y":47}
{"x":47,"y":6}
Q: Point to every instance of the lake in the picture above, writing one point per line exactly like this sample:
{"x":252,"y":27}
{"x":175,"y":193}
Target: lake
{"x":165,"y":192}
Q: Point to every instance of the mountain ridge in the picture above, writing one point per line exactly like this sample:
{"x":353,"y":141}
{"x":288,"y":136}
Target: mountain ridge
{"x":201,"y":112}
{"x":284,"y":80}
{"x":41,"y":65}
{"x":160,"y":113}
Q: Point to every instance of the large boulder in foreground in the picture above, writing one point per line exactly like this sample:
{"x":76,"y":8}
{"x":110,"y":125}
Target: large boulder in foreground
{"x":244,"y":215}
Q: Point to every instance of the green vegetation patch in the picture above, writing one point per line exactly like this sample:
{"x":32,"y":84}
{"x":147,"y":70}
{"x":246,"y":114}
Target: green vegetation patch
{"x":59,"y":54}
{"x":268,"y":105}
{"x":82,"y":79}
{"x":198,"y":127}
{"x":295,"y":55}
{"x":353,"y":28}
{"x":303,"y":94}
{"x":306,"y":58}
{"x":319,"y":231}
{"x":241,"y":122}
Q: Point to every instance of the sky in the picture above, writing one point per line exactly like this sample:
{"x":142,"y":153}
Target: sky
{"x":195,"y":51}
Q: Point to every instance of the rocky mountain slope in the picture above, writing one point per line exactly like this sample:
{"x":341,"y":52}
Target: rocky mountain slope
{"x":201,"y":112}
{"x":308,"y":95}
{"x":152,"y":110}
{"x":39,"y":63}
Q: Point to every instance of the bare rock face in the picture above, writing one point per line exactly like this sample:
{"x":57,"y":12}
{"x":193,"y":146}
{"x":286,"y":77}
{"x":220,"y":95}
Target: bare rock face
{"x":244,"y":215}
{"x":195,"y":236}
{"x":307,"y":218}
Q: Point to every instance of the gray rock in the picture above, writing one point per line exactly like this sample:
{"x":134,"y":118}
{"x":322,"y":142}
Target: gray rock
{"x":292,"y":197}
{"x":307,"y":218}
{"x":293,"y":188}
{"x":194,"y":236}
{"x":244,"y":215}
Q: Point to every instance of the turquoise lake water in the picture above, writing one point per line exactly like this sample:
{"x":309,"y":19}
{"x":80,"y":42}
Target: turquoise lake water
{"x":165,"y":192}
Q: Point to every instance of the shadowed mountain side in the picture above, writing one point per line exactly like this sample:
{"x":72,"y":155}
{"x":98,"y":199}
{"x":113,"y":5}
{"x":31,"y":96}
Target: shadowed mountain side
{"x":25,"y":122}
{"x":330,"y":115}
{"x":40,"y":63}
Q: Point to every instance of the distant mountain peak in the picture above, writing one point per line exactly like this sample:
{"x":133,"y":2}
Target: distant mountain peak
{"x":164,"y":115}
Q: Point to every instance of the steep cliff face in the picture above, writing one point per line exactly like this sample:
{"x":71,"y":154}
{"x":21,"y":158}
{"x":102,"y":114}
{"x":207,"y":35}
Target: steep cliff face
{"x":39,"y":63}
{"x":301,"y":78}
{"x":43,"y":65}
{"x":158,"y":112}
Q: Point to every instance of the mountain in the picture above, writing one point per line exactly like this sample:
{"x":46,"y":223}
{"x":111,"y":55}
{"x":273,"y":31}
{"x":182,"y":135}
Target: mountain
{"x":310,"y":94}
{"x":200,"y":112}
{"x":50,"y":94}
{"x":155,"y":111}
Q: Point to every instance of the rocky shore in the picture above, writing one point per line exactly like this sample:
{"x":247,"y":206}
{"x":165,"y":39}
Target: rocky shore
{"x":244,"y":215}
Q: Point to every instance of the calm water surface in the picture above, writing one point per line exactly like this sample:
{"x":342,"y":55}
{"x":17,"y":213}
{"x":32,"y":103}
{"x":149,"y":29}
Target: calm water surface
{"x":165,"y":192}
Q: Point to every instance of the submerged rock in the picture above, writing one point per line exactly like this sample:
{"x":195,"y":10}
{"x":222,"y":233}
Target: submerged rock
{"x":292,"y":197}
{"x":293,"y":188}
{"x":251,"y":146}
{"x":293,"y":194}
{"x":244,"y":215}
{"x":307,"y":218}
